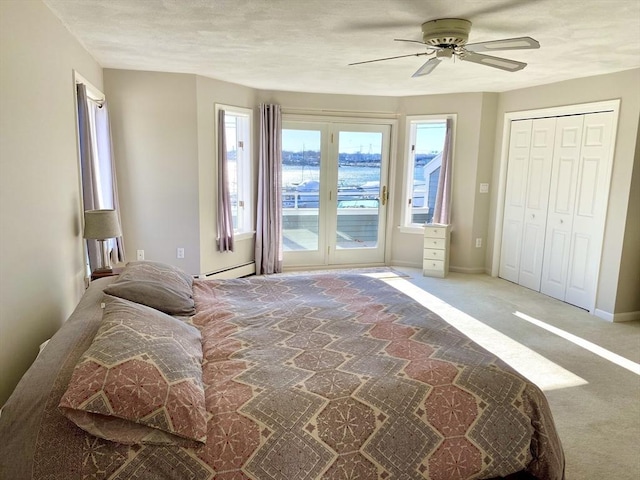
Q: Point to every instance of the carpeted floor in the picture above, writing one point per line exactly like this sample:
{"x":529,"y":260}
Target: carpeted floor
{"x":588,"y":367}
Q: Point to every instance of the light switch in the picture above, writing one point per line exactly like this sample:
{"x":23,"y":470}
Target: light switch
{"x":484,"y":188}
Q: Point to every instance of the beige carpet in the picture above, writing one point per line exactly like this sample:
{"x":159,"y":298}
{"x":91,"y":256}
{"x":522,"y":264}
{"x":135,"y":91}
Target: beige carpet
{"x":588,"y":367}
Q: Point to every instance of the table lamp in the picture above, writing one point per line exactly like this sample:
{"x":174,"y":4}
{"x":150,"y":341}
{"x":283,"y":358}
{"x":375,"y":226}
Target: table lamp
{"x":102,"y":225}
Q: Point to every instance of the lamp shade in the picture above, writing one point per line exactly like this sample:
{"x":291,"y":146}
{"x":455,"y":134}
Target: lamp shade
{"x":101,"y":224}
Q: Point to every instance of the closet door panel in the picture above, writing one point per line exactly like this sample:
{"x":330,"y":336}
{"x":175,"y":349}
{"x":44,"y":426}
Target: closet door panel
{"x":537,"y":202}
{"x":564,"y":177}
{"x":510,"y":260}
{"x":590,"y":210}
{"x":515,"y":198}
{"x":555,"y":266}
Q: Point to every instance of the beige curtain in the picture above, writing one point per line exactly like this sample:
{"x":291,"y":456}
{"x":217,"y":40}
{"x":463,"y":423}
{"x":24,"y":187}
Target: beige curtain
{"x":225,"y":217}
{"x":442,"y":209}
{"x":268,"y":249}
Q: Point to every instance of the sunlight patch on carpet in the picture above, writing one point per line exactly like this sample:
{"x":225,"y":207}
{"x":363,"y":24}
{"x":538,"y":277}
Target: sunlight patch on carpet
{"x":581,"y":342}
{"x":543,"y":372}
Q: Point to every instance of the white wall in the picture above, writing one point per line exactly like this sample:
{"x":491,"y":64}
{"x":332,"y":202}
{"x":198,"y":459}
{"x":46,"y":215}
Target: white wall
{"x":628,"y":292}
{"x":41,"y":254}
{"x":154,"y":119}
{"x":210,"y":92}
{"x":622,"y":85}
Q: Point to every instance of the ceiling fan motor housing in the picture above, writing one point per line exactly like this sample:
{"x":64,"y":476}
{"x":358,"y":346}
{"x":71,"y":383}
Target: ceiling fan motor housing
{"x":446,"y":32}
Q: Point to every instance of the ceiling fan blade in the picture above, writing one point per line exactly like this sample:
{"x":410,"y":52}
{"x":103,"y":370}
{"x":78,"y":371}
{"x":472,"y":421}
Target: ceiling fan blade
{"x":519,"y":43}
{"x":428,"y":45}
{"x":491,"y":61}
{"x":391,"y":58}
{"x":427,"y":68}
{"x":412,"y":41}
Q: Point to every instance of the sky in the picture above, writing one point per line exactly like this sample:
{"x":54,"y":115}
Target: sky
{"x":429,"y":138}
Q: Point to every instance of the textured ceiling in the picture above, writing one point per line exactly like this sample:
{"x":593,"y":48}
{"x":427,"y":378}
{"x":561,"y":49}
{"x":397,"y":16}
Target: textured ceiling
{"x":305,"y":45}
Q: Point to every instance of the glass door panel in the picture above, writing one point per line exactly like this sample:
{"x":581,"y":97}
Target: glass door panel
{"x":359,"y":155}
{"x":362,"y":157}
{"x":302,"y":154}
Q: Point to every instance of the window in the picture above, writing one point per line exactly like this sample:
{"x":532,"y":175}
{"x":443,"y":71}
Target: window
{"x":425,"y":144}
{"x":238,"y":140}
{"x":97,"y":169}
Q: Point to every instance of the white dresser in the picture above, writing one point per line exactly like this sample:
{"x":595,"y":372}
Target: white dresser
{"x":435,"y":258}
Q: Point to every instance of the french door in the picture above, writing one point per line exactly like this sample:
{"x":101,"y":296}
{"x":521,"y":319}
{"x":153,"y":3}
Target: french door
{"x":334,"y":184}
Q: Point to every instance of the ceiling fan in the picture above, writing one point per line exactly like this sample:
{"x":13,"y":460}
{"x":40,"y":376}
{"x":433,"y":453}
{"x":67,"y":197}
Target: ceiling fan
{"x":447,"y":38}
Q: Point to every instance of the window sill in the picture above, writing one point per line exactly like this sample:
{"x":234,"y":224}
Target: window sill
{"x":414,"y":230}
{"x":243,"y":236}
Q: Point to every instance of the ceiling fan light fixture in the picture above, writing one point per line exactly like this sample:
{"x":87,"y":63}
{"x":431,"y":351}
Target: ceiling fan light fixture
{"x":446,"y":31}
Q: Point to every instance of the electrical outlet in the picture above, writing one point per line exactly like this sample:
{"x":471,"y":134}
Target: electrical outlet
{"x":180,"y":252}
{"x":478,"y":242}
{"x":140,"y":255}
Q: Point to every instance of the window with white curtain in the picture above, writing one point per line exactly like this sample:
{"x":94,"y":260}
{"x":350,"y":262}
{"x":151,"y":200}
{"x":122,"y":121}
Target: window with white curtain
{"x":425,"y":145}
{"x":238,"y":139}
{"x":97,"y":168}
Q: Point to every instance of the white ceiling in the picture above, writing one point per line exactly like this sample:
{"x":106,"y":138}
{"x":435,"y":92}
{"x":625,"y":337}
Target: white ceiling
{"x":305,"y":45}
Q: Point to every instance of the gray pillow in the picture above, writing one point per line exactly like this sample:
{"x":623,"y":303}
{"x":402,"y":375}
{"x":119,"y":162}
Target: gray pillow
{"x":166,"y":405}
{"x":156,"y":285}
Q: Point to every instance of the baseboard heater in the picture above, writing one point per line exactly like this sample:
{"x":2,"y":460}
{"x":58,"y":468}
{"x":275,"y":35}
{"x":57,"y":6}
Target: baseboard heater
{"x":237,"y":271}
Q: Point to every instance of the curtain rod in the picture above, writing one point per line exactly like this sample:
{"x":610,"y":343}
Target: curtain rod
{"x":100,"y":101}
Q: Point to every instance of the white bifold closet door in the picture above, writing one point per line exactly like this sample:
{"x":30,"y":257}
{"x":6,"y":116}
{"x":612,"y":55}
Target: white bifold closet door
{"x":557,"y":183}
{"x":526,"y":200}
{"x":577,"y":208}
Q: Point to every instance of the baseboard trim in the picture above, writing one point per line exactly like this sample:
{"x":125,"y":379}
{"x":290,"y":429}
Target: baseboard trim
{"x":603,"y":315}
{"x":474,"y":270}
{"x":406,"y":264}
{"x":451,"y":268}
{"x":617,"y":317}
{"x":232,"y":272}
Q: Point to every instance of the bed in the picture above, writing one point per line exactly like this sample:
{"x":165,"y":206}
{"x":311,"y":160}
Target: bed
{"x":329,"y":375}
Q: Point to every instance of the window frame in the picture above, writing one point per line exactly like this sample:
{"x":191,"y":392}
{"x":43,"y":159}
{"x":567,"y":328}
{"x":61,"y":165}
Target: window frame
{"x":412,"y":121}
{"x":244,"y":166}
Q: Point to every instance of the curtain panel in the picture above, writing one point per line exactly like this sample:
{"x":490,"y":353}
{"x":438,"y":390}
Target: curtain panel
{"x":98,"y":171}
{"x":268,"y":248}
{"x":442,"y":208}
{"x":224,"y":215}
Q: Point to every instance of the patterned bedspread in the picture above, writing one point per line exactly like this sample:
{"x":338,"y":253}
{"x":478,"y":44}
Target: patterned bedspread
{"x":324,"y":376}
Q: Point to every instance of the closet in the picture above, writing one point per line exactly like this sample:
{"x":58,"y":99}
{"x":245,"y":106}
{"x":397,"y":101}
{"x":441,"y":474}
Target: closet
{"x":558,"y":177}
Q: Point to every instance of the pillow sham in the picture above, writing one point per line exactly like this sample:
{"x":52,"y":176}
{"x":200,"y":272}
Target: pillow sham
{"x":140,"y":381}
{"x":157,"y":285}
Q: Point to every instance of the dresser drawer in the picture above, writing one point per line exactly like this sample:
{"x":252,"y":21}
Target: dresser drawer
{"x":438,"y":243}
{"x":433,"y":266}
{"x":435,"y":232}
{"x":433,"y":254}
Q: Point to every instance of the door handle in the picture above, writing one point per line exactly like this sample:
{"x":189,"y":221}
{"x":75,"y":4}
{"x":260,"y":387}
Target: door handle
{"x":383,"y":199}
